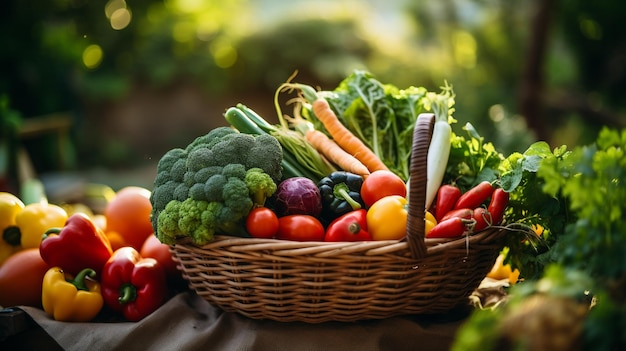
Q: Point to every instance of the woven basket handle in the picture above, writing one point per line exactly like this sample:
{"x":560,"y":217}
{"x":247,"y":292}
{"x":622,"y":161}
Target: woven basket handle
{"x":415,"y":225}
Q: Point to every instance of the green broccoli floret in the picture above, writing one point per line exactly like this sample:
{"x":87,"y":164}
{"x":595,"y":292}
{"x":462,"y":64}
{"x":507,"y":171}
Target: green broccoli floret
{"x":181,"y":192}
{"x":237,"y":201}
{"x":166,"y":164}
{"x":196,"y":192}
{"x":260,"y":184}
{"x":266,"y":154}
{"x":163,"y":194}
{"x":210,"y":186}
{"x":209,"y":140}
{"x":233,"y":149}
{"x":199,"y":158}
{"x":191,"y":213}
{"x":167,"y":223}
{"x":213,"y":188}
{"x":235,"y":170}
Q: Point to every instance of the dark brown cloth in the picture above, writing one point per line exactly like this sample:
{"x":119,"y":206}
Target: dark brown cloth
{"x":187,"y":322}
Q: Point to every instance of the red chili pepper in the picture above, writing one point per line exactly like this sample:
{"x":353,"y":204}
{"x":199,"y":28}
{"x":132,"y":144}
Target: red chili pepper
{"x":351,"y":226}
{"x":466,"y":213}
{"x":483,"y":219}
{"x":133,"y":285}
{"x":451,"y":227}
{"x":447,"y":196}
{"x":475,"y":196}
{"x":76,"y":246}
{"x":497,"y":205}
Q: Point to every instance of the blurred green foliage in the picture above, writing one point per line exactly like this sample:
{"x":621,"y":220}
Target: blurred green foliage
{"x":78,"y":55}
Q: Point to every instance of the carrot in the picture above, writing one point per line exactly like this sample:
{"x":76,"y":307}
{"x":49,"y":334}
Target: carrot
{"x":334,"y":153}
{"x":344,"y":138}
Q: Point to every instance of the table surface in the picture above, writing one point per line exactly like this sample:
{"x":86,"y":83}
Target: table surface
{"x":187,"y":322}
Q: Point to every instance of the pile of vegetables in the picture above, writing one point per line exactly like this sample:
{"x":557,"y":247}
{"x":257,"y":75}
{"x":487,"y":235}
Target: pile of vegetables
{"x":336,"y":170}
{"x":78,"y":266}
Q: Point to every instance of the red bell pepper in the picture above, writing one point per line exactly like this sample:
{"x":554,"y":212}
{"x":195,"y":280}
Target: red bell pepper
{"x":79,"y":244}
{"x":351,"y":226}
{"x":132,"y":285}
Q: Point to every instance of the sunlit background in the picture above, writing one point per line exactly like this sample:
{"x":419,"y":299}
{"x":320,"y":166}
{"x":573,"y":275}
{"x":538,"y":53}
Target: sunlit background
{"x":133,"y":79}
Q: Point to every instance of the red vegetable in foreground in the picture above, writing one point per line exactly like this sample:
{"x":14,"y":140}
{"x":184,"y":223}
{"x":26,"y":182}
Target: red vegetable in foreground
{"x":76,"y":246}
{"x":451,"y":228}
{"x":262,"y":223}
{"x":466,"y":213}
{"x":379,"y":184}
{"x":447,"y":196}
{"x":132,"y":285}
{"x":475,"y":196}
{"x":497,"y":205}
{"x":483,"y":219}
{"x":300,"y":228}
{"x":352,"y":226}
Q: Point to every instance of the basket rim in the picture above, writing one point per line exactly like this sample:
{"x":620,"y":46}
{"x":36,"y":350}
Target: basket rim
{"x":323,"y":248}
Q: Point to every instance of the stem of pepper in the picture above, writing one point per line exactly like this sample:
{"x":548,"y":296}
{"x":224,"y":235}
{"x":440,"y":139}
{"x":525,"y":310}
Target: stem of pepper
{"x":128,"y":293}
{"x":50,"y":231}
{"x":341,"y":191}
{"x":354,"y":228}
{"x":79,"y":280}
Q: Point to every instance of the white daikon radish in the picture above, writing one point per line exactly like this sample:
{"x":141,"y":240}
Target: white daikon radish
{"x":439,"y":148}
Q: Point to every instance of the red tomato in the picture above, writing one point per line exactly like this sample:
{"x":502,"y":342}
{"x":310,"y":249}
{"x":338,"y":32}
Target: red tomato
{"x":262,"y":223}
{"x":154,"y":248}
{"x":380,"y":184}
{"x":300,"y":228}
{"x":21,"y":279}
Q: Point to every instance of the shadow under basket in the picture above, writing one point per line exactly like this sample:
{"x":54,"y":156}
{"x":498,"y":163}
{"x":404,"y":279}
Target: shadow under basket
{"x":317,"y":282}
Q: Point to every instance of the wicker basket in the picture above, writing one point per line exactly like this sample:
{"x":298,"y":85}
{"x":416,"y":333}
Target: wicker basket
{"x":316,"y":282}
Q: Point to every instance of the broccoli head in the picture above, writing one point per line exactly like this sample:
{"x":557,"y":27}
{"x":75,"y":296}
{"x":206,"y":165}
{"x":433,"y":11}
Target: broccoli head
{"x":260,"y":184}
{"x":211,"y":185}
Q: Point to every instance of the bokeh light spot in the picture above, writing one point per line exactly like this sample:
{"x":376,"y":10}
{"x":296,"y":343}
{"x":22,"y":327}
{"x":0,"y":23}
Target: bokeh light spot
{"x":92,"y":56}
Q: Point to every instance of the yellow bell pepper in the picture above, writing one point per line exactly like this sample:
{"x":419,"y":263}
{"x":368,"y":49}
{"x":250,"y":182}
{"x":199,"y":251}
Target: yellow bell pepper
{"x":429,"y":222}
{"x":35,"y":219}
{"x":387,"y":217}
{"x":10,"y":206}
{"x":71,"y":299}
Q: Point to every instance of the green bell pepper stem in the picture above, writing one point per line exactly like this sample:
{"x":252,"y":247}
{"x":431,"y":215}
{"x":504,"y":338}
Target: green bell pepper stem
{"x":128,"y":293}
{"x":79,"y":280}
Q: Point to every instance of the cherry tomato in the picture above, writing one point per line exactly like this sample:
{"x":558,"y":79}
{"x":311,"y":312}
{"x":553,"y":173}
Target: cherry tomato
{"x":475,"y":196}
{"x":300,"y":228}
{"x":379,"y":184}
{"x":262,"y":223}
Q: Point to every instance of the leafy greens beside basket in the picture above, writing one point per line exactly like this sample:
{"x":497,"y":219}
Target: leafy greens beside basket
{"x":207,"y":192}
{"x":576,"y":298}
